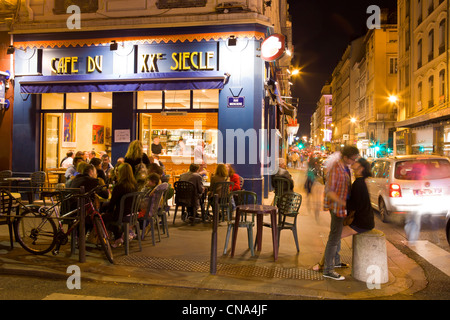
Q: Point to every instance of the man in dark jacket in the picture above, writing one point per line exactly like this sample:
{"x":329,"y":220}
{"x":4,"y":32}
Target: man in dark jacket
{"x":196,"y":179}
{"x":88,"y":180}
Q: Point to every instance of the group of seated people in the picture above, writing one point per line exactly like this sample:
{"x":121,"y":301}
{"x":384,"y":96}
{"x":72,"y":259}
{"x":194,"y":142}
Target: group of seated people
{"x":121,"y":179}
{"x":223,"y":173}
{"x":125,"y":177}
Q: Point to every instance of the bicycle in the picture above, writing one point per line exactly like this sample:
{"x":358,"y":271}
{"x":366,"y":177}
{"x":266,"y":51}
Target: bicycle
{"x":37,"y":232}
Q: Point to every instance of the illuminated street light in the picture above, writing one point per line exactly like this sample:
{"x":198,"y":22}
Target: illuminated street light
{"x":352,"y":120}
{"x":393,"y":99}
{"x":295,"y":72}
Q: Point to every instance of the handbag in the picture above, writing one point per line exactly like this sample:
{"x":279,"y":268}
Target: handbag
{"x":349,"y":218}
{"x":141,"y":171}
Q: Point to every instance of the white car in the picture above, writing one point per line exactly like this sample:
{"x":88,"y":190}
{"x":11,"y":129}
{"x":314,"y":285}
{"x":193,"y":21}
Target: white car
{"x":410,"y":183}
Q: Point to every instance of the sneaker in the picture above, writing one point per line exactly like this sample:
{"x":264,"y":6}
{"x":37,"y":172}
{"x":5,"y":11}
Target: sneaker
{"x":117,"y":243}
{"x":333,"y":275}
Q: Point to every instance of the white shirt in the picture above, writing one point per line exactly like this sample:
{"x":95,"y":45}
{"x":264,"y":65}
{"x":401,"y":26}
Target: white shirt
{"x":67,"y":163}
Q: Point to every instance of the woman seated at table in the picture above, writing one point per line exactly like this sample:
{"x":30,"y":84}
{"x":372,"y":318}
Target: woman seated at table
{"x":234,"y":177}
{"x":126,"y":183}
{"x":220,"y":175}
{"x":97,"y":163}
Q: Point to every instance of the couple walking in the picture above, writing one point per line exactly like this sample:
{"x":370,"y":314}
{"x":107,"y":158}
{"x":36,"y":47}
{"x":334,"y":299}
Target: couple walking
{"x":341,"y":198}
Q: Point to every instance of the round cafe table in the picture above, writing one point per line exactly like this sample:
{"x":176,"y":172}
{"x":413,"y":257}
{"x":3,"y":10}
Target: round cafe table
{"x":260,"y":211}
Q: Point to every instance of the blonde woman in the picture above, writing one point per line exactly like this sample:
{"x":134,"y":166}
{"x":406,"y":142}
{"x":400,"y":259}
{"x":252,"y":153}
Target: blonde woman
{"x":135,"y":154}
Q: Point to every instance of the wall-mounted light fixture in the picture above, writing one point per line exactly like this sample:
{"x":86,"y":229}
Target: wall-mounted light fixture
{"x":226,"y":77}
{"x":267,"y":3}
{"x":232,"y":41}
{"x":113,"y":46}
{"x":10,"y":50}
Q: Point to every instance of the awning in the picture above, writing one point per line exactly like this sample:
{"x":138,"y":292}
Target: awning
{"x":127,"y":83}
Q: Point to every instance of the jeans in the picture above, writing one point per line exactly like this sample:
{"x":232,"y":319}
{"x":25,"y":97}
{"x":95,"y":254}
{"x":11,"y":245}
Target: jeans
{"x":333,"y":246}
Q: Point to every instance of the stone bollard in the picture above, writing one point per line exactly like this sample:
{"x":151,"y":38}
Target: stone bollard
{"x":370,"y":257}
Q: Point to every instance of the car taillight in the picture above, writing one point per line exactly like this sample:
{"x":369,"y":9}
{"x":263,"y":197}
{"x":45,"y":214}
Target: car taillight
{"x":395,"y":190}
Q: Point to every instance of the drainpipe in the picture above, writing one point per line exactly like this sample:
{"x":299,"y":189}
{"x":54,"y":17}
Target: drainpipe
{"x":29,"y":10}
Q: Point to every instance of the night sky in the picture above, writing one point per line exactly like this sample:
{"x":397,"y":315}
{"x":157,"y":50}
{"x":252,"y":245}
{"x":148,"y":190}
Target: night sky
{"x":322,"y":29}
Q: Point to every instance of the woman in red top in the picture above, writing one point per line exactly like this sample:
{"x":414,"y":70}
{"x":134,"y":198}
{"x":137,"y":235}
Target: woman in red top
{"x":234,"y":177}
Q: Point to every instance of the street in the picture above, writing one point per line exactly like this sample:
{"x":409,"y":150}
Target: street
{"x":14,"y":287}
{"x":432,"y":233}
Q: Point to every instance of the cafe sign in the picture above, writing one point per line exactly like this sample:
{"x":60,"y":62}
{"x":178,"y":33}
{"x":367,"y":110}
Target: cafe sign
{"x":177,"y":57}
{"x":159,"y":58}
{"x":77,"y":61}
{"x":273,"y":47}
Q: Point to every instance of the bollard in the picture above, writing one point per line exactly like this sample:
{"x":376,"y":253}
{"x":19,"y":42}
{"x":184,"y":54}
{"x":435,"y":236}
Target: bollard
{"x":81,"y":228}
{"x":213,"y":259}
{"x":370,"y":257}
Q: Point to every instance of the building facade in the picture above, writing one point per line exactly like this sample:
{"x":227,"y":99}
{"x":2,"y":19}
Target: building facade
{"x":321,"y":121}
{"x":364,"y":91}
{"x":118,"y":71}
{"x":423,"y":125}
{"x":343,"y":110}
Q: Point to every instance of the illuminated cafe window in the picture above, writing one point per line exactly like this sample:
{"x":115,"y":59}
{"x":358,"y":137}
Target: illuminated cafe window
{"x":52,"y":101}
{"x":77,"y":100}
{"x":206,"y":99}
{"x":101,"y":100}
{"x":177,"y":99}
{"x":150,"y":100}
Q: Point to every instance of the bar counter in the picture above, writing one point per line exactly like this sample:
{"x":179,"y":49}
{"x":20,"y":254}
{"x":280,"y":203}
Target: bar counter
{"x":176,"y":164}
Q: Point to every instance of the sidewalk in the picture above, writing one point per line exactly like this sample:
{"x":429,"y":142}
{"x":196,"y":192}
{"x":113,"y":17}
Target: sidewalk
{"x":183,"y":260}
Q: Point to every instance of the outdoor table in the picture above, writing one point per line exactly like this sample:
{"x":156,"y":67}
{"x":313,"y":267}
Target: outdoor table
{"x":15,"y":182}
{"x":61,"y":175}
{"x":17,"y":179}
{"x":260,"y":211}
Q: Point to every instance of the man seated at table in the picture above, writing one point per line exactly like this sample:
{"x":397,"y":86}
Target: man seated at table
{"x":195,"y":178}
{"x":282,"y":172}
{"x":71,"y":171}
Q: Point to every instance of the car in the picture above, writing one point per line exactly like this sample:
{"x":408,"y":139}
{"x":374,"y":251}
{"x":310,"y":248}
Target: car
{"x":226,"y":7}
{"x":410,"y":183}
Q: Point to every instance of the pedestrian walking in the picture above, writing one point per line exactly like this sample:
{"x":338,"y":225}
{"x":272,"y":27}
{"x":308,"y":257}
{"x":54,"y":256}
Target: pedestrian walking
{"x":337,"y":192}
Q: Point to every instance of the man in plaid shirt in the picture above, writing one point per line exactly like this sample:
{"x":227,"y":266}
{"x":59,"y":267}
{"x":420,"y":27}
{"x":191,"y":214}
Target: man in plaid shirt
{"x":337,"y":191}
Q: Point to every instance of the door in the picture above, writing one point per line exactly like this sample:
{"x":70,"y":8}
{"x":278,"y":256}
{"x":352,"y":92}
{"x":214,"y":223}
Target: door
{"x":145,"y":134}
{"x":51,"y":141}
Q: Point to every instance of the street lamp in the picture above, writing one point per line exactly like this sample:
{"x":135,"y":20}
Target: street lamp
{"x":353,"y":120}
{"x":393,"y":98}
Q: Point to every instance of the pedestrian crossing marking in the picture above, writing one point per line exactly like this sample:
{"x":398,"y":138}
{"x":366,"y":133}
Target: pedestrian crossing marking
{"x":438,"y":257}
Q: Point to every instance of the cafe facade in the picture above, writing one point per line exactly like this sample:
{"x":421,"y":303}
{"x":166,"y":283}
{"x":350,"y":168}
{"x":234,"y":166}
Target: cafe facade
{"x":100,"y":90}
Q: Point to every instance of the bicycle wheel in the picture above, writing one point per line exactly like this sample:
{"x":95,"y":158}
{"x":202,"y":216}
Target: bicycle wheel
{"x":102,"y":235}
{"x":35,"y":232}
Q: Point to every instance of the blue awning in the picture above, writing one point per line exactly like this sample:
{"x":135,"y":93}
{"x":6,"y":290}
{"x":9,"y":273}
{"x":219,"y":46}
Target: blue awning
{"x":197,"y":80}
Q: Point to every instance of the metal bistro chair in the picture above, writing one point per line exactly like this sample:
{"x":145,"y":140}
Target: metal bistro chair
{"x":288,"y":207}
{"x":37,"y":183}
{"x":241,"y":182}
{"x":242,"y":197}
{"x":5,"y":174}
{"x":223,"y":191}
{"x":154,"y":198}
{"x":132,"y":201}
{"x":280,"y":185}
{"x":7,"y":203}
{"x":186,"y":197}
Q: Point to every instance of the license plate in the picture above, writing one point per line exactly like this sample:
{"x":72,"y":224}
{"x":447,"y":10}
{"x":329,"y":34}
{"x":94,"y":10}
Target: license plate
{"x":427,"y":192}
